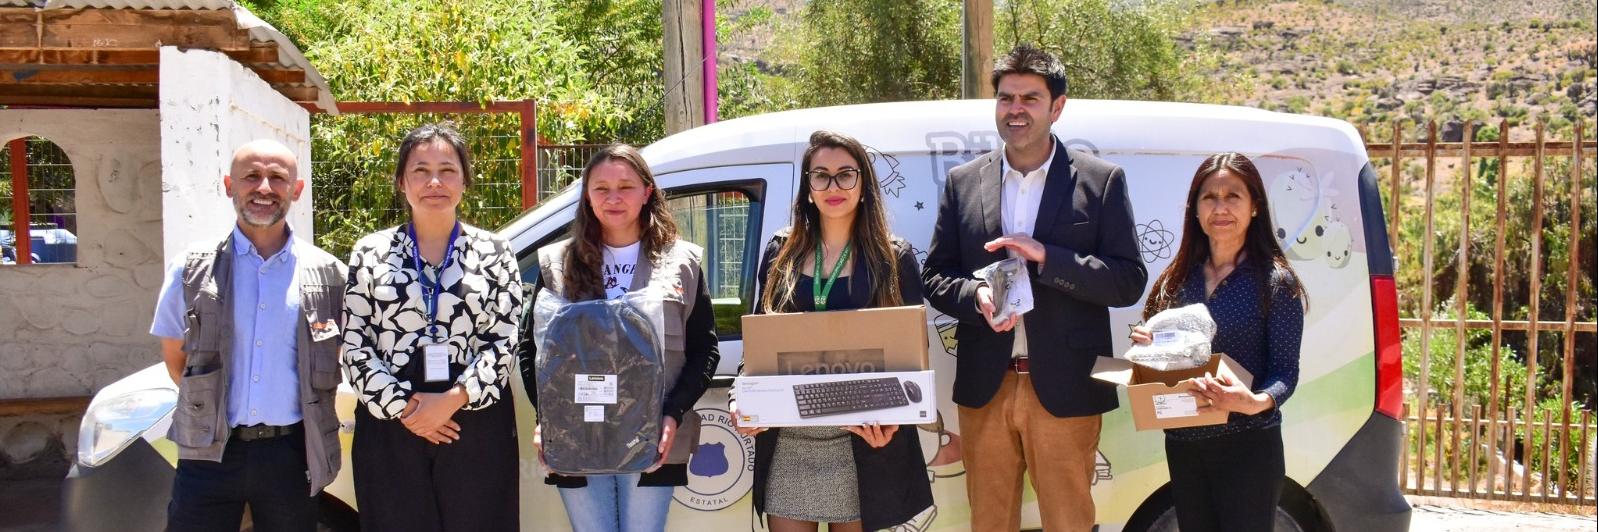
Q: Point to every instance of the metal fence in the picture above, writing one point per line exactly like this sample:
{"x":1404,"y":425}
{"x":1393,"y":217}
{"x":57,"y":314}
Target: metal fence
{"x":559,"y":165}
{"x":1497,"y":212}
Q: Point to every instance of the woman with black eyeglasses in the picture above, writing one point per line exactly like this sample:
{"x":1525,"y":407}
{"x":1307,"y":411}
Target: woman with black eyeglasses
{"x":837,"y":255}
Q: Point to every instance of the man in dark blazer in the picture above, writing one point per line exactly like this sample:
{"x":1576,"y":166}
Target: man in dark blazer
{"x":1027,"y":400}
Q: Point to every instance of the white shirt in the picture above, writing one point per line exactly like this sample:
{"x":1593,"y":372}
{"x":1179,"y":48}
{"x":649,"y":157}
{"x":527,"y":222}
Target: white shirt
{"x":1018,"y":209}
{"x":619,"y":264}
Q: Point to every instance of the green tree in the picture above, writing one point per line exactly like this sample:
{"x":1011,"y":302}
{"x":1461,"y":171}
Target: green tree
{"x":593,"y":67}
{"x":1111,"y":49}
{"x":859,"y":51}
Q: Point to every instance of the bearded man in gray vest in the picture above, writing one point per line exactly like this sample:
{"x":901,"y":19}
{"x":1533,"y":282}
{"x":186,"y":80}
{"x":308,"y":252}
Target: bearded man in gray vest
{"x":249,"y":330}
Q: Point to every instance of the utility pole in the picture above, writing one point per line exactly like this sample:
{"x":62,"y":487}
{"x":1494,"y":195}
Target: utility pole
{"x":684,"y":49}
{"x":976,"y":54}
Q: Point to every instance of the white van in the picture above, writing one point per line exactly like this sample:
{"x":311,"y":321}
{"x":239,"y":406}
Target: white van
{"x":731,"y":186}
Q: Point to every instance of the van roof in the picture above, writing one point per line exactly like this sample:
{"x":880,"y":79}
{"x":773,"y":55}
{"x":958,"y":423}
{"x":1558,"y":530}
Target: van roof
{"x":1112,"y":126}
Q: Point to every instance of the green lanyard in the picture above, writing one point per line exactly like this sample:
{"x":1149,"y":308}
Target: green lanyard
{"x":818,"y":291}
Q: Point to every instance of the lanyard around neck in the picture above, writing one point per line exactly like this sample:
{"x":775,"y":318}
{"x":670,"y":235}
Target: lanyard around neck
{"x":817,"y":290}
{"x":432,"y":289}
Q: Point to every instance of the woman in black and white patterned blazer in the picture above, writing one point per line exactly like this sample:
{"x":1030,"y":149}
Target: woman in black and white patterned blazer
{"x":430,"y":325}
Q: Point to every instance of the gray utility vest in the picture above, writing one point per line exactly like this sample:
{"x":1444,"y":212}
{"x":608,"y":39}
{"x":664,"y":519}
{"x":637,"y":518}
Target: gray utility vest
{"x":676,"y":275}
{"x":199,"y":423}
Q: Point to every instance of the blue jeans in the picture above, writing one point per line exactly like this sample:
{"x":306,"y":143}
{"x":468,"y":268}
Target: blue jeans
{"x":616,"y":503}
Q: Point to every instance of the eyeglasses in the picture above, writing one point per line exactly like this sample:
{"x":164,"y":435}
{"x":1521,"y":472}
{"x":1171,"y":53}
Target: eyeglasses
{"x":845,"y":179}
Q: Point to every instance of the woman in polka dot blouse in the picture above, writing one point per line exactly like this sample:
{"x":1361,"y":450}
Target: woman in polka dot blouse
{"x":1229,"y":477}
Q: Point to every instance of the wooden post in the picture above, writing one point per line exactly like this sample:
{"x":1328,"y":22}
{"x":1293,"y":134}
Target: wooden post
{"x":529,"y":170}
{"x":1498,"y":302}
{"x":1461,"y":291}
{"x":1423,"y":386}
{"x":976,"y":51}
{"x":1475,"y":445}
{"x":1533,"y":302}
{"x":19,"y":200}
{"x":1570,"y":309}
{"x":684,"y":76}
{"x":1397,"y":184}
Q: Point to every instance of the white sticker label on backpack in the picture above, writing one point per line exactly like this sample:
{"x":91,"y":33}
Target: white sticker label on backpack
{"x":593,"y":413}
{"x":1166,"y":338}
{"x":1175,"y":405}
{"x":596,"y":389}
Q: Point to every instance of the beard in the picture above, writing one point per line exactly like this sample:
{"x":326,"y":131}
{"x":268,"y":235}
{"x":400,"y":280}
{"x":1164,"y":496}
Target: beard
{"x":280,"y":210}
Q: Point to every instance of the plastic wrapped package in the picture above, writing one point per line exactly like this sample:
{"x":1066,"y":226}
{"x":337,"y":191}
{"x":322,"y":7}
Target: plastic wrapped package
{"x":1181,"y":339}
{"x":601,"y":382}
{"x":1012,"y":287}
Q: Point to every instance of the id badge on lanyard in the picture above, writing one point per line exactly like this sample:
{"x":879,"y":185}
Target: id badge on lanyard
{"x":435,"y":362}
{"x":435,"y":347}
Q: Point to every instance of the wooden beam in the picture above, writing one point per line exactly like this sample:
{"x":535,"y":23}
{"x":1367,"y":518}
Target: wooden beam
{"x":149,"y":91}
{"x":1456,"y":149}
{"x":43,"y":406}
{"x":119,"y":74}
{"x":277,"y":76}
{"x":297,"y":93}
{"x":80,"y":76}
{"x":259,"y":52}
{"x":258,"y":55}
{"x":120,"y":29}
{"x":79,"y":101}
{"x":428,"y":107}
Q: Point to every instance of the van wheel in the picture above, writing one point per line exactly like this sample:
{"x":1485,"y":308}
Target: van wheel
{"x":1296,"y":512}
{"x":1285,"y":522}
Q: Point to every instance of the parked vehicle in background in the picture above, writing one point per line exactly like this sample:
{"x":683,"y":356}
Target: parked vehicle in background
{"x":730,"y":185}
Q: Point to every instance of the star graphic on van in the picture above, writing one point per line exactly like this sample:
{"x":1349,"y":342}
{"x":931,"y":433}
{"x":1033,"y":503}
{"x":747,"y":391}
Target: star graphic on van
{"x":920,"y":205}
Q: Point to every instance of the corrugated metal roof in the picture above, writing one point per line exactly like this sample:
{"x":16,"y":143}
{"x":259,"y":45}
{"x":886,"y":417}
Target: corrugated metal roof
{"x":260,"y":31}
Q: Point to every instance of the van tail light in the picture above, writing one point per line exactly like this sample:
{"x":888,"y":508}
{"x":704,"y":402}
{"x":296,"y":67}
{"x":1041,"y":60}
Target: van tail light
{"x":1389,"y":354}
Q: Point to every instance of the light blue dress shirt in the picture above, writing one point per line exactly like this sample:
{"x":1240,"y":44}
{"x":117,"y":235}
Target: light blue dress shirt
{"x":263,"y":376}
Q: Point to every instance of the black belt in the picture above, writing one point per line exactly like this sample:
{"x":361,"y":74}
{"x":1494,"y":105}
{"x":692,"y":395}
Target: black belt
{"x":262,"y":432}
{"x":1020,"y":365}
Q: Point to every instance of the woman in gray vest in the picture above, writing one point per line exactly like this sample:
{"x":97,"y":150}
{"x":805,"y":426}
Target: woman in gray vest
{"x":624,"y":240}
{"x":430,"y":325}
{"x":838,"y":255}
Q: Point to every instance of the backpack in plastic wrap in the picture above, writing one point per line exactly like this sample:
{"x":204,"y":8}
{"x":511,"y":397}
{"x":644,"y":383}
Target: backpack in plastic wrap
{"x":601,"y":382}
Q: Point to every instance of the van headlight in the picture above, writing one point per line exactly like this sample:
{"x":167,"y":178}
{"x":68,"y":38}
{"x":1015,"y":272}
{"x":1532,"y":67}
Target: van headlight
{"x":111,"y":425}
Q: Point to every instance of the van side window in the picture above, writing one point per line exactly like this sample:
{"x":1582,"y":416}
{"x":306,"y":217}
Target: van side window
{"x":722,"y":222}
{"x":527,"y":260}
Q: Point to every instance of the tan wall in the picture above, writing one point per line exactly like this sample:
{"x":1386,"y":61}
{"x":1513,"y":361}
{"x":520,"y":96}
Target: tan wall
{"x":70,"y":329}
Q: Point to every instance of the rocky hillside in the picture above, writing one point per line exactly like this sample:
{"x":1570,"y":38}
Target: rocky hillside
{"x":1367,"y":61}
{"x":1372,"y":61}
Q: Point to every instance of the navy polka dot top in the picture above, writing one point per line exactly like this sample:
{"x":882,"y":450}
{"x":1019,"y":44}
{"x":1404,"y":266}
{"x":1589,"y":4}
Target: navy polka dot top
{"x":1264,"y":341}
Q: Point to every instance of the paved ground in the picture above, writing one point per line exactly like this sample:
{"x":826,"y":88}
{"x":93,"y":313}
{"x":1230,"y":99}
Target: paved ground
{"x":30,"y":505}
{"x":1431,"y":516}
{"x":33,"y":506}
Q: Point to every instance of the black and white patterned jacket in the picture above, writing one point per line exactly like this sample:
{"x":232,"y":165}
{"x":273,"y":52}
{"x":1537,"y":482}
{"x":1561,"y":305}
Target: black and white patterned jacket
{"x":385,"y":318}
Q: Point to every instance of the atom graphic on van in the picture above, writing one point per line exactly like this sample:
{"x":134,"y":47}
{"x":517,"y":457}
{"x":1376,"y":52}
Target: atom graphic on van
{"x":1154,"y":241}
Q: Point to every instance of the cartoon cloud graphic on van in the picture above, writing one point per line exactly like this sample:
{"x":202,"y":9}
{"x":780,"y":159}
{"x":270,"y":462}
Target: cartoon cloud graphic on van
{"x":1296,"y":211}
{"x":1339,"y":244}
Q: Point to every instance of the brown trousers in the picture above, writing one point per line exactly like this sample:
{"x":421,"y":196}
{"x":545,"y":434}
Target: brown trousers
{"x":1014,"y":434}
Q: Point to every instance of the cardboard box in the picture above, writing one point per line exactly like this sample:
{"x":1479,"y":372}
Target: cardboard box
{"x":889,"y":398}
{"x":1159,"y":399}
{"x":842,"y":341}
